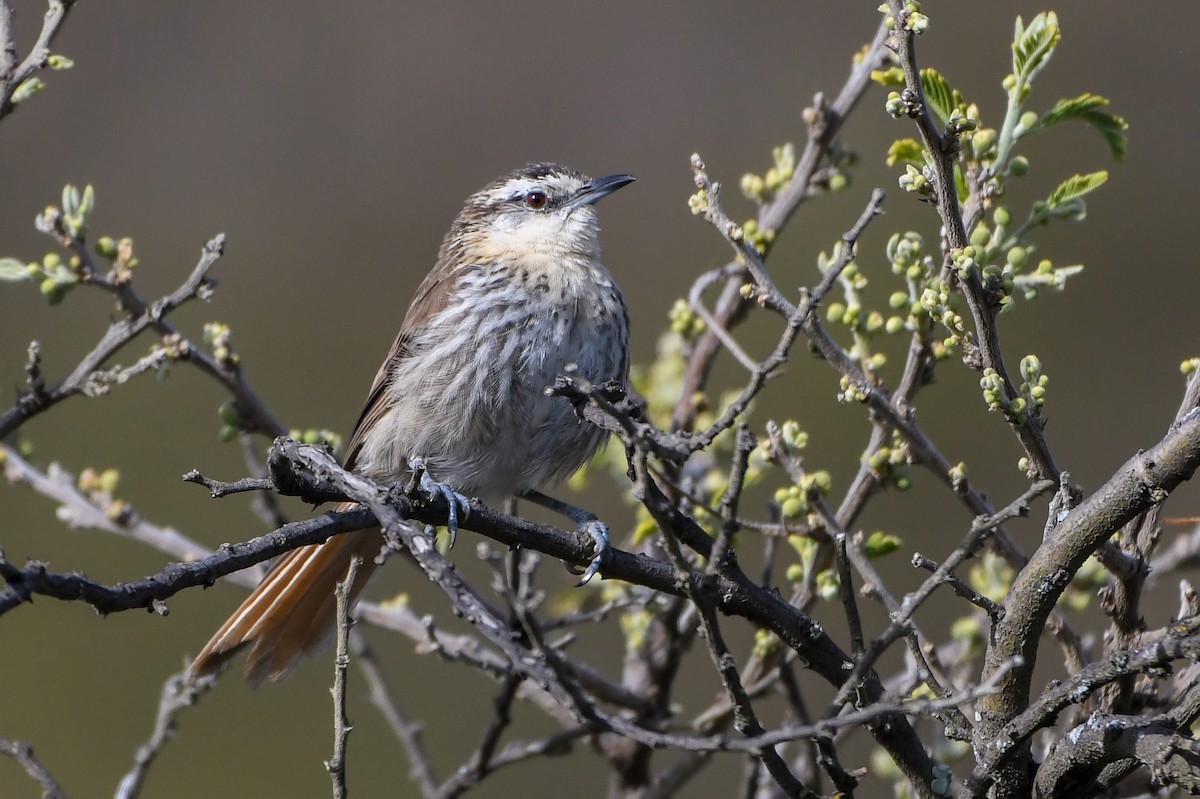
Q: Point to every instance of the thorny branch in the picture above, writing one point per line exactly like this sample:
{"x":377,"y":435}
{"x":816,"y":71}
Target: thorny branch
{"x":336,"y":765}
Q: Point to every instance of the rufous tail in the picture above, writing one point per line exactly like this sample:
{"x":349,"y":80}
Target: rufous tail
{"x":292,"y":612}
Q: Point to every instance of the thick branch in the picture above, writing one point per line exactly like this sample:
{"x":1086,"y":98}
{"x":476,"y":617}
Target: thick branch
{"x":1143,"y":482}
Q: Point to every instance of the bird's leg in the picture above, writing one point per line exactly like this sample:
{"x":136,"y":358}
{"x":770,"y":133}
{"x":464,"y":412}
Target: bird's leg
{"x":454,"y":500}
{"x":585,"y":521}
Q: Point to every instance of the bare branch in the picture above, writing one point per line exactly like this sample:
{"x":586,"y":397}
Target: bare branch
{"x":23,"y":754}
{"x":336,"y":765}
{"x":177,"y":693}
{"x":12,"y":74}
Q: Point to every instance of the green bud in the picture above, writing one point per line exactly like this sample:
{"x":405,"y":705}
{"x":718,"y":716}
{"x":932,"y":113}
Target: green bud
{"x":228,"y":414}
{"x":106,"y":247}
{"x":835,"y":312}
{"x":838,"y":181}
{"x":898,"y":300}
{"x":917,"y":23}
{"x":27,"y":88}
{"x":795,"y":573}
{"x":983,"y":140}
{"x":1017,"y":256}
{"x":793,"y":508}
{"x":228,"y":433}
{"x":1018,"y":166}
{"x":880,"y":543}
{"x":793,"y":435}
{"x":1031,"y":368}
{"x":894,"y":325}
{"x":108,"y":481}
{"x":1001,"y":216}
{"x":753,"y":186}
{"x":829,"y":587}
{"x":53,"y":291}
{"x":902,"y":482}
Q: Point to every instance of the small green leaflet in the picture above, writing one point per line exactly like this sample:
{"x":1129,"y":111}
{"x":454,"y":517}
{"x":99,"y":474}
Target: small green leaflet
{"x":942,"y":99}
{"x":12,"y":270}
{"x":905,"y":151}
{"x":1091,"y":109}
{"x":1076,"y":186}
{"x":1033,"y":46}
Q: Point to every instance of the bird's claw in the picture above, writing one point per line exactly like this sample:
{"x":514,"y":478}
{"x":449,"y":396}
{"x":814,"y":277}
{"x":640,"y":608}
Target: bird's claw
{"x":455,"y":501}
{"x":599,"y":533}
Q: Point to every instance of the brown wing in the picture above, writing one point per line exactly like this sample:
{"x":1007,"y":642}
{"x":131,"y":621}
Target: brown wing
{"x":431,"y":297}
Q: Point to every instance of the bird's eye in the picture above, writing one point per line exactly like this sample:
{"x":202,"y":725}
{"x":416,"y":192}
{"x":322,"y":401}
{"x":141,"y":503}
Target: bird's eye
{"x":535,"y":199}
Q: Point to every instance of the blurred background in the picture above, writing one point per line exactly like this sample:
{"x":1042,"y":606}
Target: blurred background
{"x":334,"y":142}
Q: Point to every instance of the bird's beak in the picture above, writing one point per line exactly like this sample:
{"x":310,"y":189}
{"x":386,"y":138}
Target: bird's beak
{"x":597,"y":188}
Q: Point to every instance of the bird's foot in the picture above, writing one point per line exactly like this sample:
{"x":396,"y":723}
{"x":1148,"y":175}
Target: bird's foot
{"x":457,"y":503}
{"x":598,"y":531}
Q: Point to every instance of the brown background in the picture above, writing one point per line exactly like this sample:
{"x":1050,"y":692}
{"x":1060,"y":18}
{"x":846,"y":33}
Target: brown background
{"x":333,"y":143}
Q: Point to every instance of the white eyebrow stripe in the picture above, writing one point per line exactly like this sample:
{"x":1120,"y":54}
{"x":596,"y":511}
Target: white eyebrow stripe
{"x":516,"y":188}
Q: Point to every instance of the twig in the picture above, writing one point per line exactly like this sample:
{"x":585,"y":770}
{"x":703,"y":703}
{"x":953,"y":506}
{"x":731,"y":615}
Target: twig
{"x":745,"y":719}
{"x":723,"y":548}
{"x":142,"y":316}
{"x":696,"y":301}
{"x":825,"y":123}
{"x":177,"y":693}
{"x":23,"y":754}
{"x":406,"y":731}
{"x":994,"y":611}
{"x":220,"y":488}
{"x":1179,"y":640}
{"x":1142,"y":482}
{"x":482,"y":761}
{"x":554,"y":745}
{"x":902,"y":612}
{"x":942,"y":149}
{"x":846,"y":592}
{"x":77,"y":509}
{"x":336,"y":765}
{"x":12,"y":75}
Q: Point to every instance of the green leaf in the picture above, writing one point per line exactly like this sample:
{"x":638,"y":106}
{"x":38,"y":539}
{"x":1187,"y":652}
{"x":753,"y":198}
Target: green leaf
{"x":1033,"y":46}
{"x":1090,"y":108}
{"x":905,"y":151}
{"x":960,"y":185}
{"x":1076,"y":186}
{"x":28,"y":88}
{"x":890,"y":77}
{"x":12,"y":270}
{"x":940,"y":97}
{"x":70,"y":200}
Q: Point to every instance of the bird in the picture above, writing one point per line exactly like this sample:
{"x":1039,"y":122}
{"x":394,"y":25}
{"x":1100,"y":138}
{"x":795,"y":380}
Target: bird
{"x":517,"y":297}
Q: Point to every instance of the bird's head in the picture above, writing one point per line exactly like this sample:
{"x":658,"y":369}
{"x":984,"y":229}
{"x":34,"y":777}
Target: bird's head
{"x":541,"y":209}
